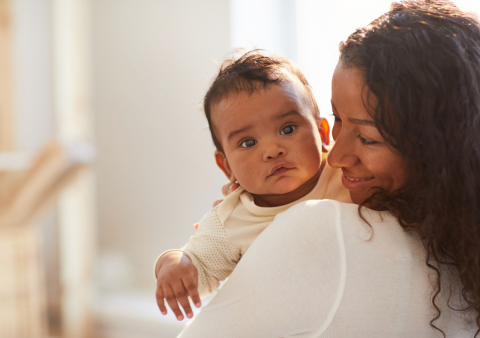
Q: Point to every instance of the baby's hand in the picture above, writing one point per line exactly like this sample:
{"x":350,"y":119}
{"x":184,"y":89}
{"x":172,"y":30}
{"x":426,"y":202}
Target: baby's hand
{"x":228,"y":188}
{"x":176,"y":280}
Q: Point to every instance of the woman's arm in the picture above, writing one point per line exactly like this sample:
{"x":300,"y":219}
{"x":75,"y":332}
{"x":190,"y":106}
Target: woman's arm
{"x":290,"y":281}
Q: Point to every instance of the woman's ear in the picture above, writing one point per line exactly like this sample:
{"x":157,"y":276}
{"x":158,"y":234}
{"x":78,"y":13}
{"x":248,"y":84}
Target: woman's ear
{"x":222,"y":163}
{"x":324,"y":130}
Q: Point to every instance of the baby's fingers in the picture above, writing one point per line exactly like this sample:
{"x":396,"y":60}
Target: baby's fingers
{"x":229,"y":187}
{"x":190,"y":285}
{"x":217,"y":202}
{"x":182,"y":297}
{"x":160,"y":301}
{"x":172,"y":302}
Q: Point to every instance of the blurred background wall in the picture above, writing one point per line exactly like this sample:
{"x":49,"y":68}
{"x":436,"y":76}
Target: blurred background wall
{"x":156,"y":175}
{"x":128,"y":77}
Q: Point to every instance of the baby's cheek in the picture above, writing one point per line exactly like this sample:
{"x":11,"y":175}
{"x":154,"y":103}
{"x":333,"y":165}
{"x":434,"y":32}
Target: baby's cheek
{"x":312,"y":157}
{"x":246,"y":177}
{"x":243,"y":175}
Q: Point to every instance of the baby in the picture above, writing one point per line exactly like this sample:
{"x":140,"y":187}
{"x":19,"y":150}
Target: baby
{"x":270,"y":138}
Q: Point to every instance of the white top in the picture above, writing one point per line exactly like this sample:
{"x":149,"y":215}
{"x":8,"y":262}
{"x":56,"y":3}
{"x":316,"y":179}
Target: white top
{"x":319,"y":271}
{"x":228,"y":230}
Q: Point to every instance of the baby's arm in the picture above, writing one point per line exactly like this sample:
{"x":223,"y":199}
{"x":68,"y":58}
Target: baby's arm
{"x":208,"y":258}
{"x":212,"y":253}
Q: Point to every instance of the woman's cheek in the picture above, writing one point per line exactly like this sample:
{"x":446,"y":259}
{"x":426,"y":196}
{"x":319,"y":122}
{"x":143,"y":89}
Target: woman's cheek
{"x":389,"y":169}
{"x":335,"y":131}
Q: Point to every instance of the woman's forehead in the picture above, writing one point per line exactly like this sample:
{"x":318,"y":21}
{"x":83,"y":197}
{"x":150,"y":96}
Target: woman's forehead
{"x":350,"y":94}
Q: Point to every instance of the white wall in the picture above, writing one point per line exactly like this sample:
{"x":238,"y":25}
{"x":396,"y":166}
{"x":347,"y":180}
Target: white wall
{"x":33,"y":80}
{"x":153,"y":61}
{"x":265,"y":24}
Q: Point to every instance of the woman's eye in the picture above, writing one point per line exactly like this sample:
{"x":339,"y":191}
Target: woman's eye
{"x":337,"y":119}
{"x":288,"y":130}
{"x":248,"y":143}
{"x":365,"y":141}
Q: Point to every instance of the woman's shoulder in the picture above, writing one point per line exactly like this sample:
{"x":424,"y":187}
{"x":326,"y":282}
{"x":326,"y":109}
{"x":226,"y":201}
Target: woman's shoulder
{"x":348,"y":215}
{"x":323,"y":205}
{"x":311,"y":213}
{"x":351,"y":228}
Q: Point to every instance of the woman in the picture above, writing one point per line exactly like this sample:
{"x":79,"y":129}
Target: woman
{"x":406,"y":101}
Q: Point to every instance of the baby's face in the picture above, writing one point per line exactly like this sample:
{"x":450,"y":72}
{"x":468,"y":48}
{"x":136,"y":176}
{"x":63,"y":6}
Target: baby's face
{"x":270,"y":138}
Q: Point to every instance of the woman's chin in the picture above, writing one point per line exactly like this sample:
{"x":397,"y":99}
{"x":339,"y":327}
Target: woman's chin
{"x":358,"y":189}
{"x":357,"y":198}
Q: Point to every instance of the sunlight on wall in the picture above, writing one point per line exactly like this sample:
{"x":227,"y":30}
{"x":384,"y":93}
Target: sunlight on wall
{"x":320,"y":28}
{"x":266,"y":24}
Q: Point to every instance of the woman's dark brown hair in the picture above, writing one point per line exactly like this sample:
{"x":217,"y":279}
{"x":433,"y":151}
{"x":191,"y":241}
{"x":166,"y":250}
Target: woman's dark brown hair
{"x":422,"y":62}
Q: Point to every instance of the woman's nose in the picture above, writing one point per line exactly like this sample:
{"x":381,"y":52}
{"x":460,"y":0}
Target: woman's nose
{"x":273,"y":150}
{"x":342,"y":154}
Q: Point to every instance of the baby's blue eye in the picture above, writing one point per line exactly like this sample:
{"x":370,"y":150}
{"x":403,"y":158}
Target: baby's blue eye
{"x":288,"y":130}
{"x":248,"y":143}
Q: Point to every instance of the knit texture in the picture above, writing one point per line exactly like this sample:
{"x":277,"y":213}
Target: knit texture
{"x":212,"y":253}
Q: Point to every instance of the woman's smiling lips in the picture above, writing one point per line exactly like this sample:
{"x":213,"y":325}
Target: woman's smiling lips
{"x":351,"y":182}
{"x":279,"y":169}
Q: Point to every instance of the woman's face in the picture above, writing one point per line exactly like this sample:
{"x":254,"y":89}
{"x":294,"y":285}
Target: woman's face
{"x":359,"y":149}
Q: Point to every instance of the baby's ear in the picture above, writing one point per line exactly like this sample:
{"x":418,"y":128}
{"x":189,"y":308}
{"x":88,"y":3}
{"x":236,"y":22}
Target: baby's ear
{"x":222,"y":163}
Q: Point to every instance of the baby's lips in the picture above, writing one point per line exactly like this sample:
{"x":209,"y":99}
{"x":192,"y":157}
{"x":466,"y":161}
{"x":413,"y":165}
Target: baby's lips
{"x":278,"y":166}
{"x":280,"y":170}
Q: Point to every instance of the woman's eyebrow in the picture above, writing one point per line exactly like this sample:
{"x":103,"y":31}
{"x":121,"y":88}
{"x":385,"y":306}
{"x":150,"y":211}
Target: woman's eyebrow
{"x":333,"y":106}
{"x":357,"y":121}
{"x":362,"y":122}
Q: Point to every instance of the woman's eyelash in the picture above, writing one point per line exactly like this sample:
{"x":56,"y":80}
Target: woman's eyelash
{"x":337,"y":119}
{"x":365,"y":141}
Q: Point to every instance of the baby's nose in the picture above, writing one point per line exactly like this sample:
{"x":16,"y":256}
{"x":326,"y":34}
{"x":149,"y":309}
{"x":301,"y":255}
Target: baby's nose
{"x":274,"y":152}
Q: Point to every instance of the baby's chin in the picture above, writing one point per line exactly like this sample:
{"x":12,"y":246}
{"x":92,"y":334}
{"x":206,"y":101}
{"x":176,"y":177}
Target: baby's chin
{"x":283,"y":186}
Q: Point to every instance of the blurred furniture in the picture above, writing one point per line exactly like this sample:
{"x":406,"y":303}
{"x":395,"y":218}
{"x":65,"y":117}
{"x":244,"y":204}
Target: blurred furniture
{"x":28,"y":187}
{"x":24,"y":194}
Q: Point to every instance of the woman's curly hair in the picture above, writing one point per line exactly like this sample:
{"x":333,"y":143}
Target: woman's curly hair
{"x":422,"y":62}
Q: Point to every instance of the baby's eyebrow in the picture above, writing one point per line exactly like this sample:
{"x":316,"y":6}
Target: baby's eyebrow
{"x":238,"y":131}
{"x":291,"y":112}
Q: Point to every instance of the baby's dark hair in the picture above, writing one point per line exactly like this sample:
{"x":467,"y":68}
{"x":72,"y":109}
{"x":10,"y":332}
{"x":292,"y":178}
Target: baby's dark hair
{"x":250,"y":72}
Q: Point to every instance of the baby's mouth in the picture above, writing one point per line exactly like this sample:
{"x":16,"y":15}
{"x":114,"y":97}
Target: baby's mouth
{"x":279,"y":169}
